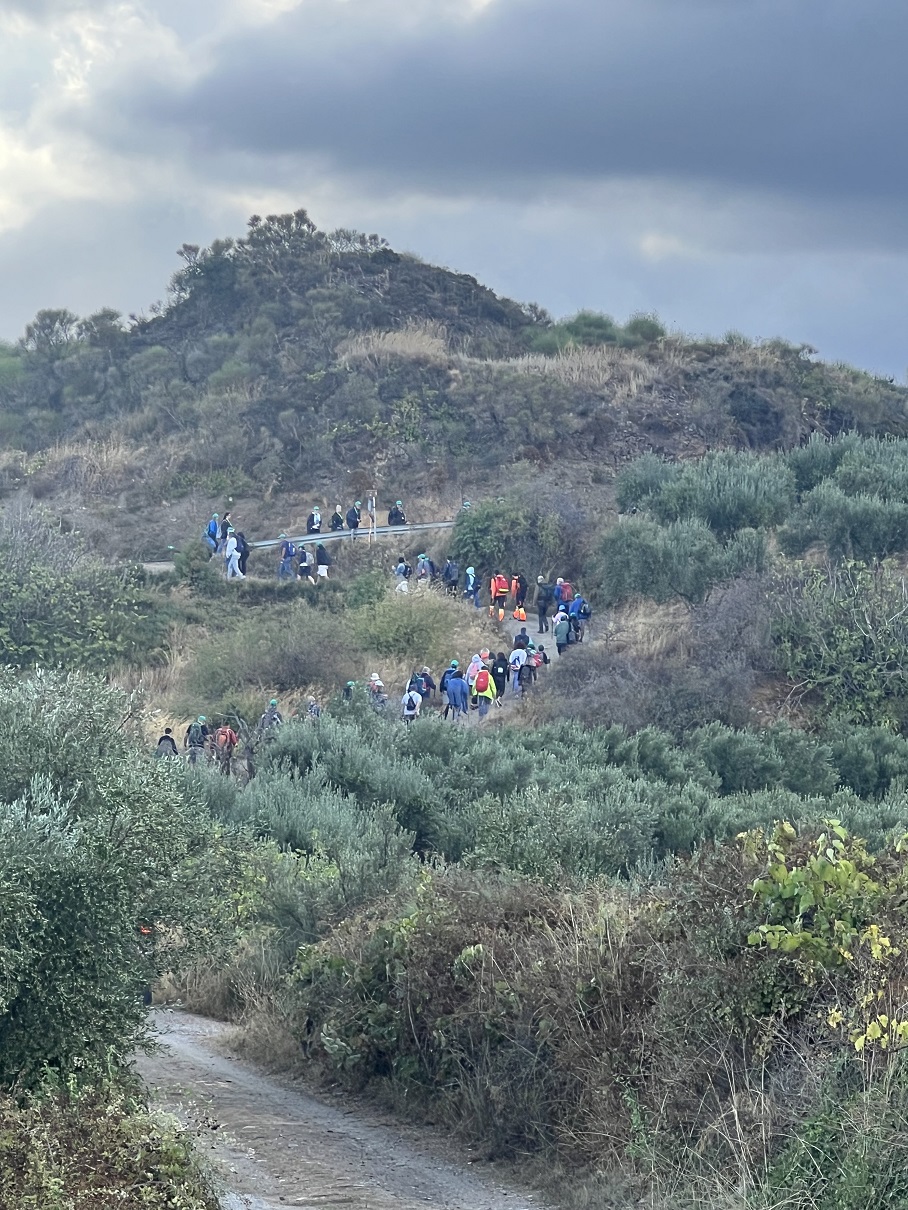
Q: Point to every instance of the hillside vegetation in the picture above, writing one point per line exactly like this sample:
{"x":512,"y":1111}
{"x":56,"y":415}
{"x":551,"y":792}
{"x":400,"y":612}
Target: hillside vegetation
{"x":643,"y":928}
{"x":293,"y":364}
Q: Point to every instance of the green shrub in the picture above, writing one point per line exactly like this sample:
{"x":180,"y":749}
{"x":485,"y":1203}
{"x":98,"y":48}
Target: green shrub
{"x":729,"y":492}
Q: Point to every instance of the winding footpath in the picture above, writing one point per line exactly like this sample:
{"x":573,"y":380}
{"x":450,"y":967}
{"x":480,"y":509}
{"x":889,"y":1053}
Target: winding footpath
{"x":275,"y":1143}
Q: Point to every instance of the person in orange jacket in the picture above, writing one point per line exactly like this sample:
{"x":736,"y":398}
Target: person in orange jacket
{"x":498,"y":595}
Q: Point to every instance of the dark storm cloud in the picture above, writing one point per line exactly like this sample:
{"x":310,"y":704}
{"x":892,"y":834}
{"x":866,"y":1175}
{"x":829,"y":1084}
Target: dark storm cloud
{"x":805,"y":97}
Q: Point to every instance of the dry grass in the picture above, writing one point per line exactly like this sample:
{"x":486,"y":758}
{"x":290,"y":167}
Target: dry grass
{"x":426,"y":342}
{"x":621,"y":372}
{"x":651,"y":631}
{"x":92,"y":468}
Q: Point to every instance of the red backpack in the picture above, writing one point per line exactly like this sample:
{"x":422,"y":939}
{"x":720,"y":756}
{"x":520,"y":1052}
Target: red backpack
{"x":481,"y":683}
{"x":567,"y":592}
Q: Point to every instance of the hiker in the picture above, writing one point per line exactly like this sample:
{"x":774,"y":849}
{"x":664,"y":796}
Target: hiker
{"x":543,"y":655}
{"x":473,"y":671}
{"x":270,"y":720}
{"x":378,"y":698}
{"x":242,"y":550}
{"x":396,"y":514}
{"x":349,"y":690}
{"x":542,"y":599}
{"x":322,"y":561}
{"x":423,"y":683}
{"x":166,"y":745}
{"x":526,"y":675}
{"x":516,"y":661}
{"x":563,"y":593}
{"x":354,"y":514}
{"x":222,"y":532}
{"x":337,"y":520}
{"x":288,"y":554}
{"x":499,"y":671}
{"x":314,"y":521}
{"x":306,"y":569}
{"x":443,"y":684}
{"x":402,"y":568}
{"x":578,"y":611}
{"x":561,"y":631}
{"x":498,"y":595}
{"x":232,"y":557}
{"x":212,"y":532}
{"x":425,"y":569}
{"x":471,"y":586}
{"x":195,"y":739}
{"x":484,"y":691}
{"x":519,"y":589}
{"x":225,"y":742}
{"x":411,"y":702}
{"x":522,"y":639}
{"x":458,"y":696}
{"x":313,"y":709}
{"x":450,"y":576}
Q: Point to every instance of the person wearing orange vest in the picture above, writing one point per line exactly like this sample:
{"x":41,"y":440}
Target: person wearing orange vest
{"x":498,"y":595}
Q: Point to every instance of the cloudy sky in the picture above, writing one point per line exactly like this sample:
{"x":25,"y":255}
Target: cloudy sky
{"x":726,"y":163}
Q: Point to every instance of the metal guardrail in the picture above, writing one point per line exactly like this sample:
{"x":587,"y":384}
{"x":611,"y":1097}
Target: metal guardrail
{"x":380,"y":531}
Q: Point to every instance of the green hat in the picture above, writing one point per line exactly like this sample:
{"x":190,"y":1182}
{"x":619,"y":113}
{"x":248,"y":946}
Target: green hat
{"x":357,"y":503}
{"x":455,"y":664}
{"x":201,"y":718}
{"x":273,"y":702}
{"x":398,"y":503}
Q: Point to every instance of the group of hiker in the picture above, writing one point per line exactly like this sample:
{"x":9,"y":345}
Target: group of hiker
{"x":222,"y":539}
{"x":221,"y":745}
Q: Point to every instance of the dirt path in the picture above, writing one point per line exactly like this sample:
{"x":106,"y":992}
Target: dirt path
{"x":279,"y":1145}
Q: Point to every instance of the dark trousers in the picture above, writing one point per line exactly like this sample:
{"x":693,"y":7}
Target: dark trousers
{"x":542,"y":610}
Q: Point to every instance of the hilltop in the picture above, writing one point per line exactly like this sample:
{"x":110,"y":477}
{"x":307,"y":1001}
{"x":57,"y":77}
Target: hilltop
{"x":293,"y":365}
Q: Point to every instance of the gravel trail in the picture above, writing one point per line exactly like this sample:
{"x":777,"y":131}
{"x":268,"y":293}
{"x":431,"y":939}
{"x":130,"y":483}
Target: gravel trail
{"x":277,"y":1144}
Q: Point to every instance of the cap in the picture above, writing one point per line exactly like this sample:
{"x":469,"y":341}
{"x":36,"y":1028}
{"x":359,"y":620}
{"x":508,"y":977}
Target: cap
{"x":357,"y":503}
{"x":398,"y":503}
{"x":273,"y":702}
{"x":201,"y":718}
{"x":282,"y":535}
{"x":425,"y":668}
{"x":455,"y":663}
{"x":215,"y":514}
{"x":350,"y":684}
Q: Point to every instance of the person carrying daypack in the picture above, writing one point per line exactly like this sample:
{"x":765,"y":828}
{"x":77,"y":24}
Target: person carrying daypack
{"x":499,"y":672}
{"x":443,"y":681}
{"x":212,"y":533}
{"x":314,"y":521}
{"x":519,"y":589}
{"x":322,"y":561}
{"x":288,"y":554}
{"x":270,"y":720}
{"x":225,"y":742}
{"x":484,"y":691}
{"x":542,"y":599}
{"x":243,"y":550}
{"x":450,"y":577}
{"x":195,"y":739}
{"x":498,"y":595}
{"x":471,"y":586}
{"x":337,"y":520}
{"x":396,"y":514}
{"x":411,"y":703}
{"x":354,"y":515}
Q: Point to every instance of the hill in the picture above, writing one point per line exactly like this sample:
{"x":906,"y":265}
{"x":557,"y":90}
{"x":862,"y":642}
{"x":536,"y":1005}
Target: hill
{"x":293,"y":364}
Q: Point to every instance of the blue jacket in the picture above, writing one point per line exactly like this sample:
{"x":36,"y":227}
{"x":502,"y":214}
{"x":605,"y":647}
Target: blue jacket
{"x":458,"y":693}
{"x":576,"y":606}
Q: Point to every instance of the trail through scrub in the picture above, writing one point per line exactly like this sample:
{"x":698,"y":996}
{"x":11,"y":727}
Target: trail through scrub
{"x":277,"y":1144}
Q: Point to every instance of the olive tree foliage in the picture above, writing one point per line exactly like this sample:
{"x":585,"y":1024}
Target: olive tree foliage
{"x":95,"y":841}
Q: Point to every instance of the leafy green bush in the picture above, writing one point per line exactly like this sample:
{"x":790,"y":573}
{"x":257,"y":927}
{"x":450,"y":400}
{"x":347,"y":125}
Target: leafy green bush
{"x":94,"y":841}
{"x":729,"y":492}
{"x":683,"y":559}
{"x":850,"y":526}
{"x":93,"y":1149}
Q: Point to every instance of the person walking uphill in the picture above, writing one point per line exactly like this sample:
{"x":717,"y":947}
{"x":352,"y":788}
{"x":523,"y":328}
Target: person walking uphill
{"x":212,"y":532}
{"x":288,"y":554}
{"x":396,"y":515}
{"x":314,"y":521}
{"x":322,"y":561}
{"x":232,"y":557}
{"x":471,"y":586}
{"x":498,"y":595}
{"x":542,"y":599}
{"x":354,"y":515}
